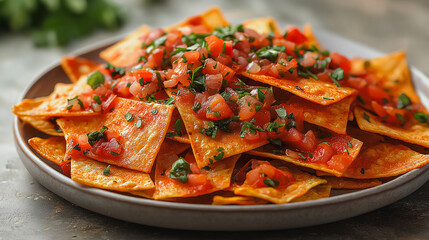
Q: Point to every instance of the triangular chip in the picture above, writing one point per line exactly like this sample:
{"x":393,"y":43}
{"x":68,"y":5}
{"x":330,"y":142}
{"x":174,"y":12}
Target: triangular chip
{"x":141,"y":136}
{"x":303,"y":182}
{"x":126,"y":52}
{"x":205,"y":148}
{"x":101,"y":175}
{"x":333,"y":117}
{"x":335,"y":167}
{"x":53,"y":148}
{"x":218,"y":176}
{"x":76,"y":67}
{"x":412,"y":131}
{"x":385,"y":160}
{"x":391,"y":73}
{"x":348,"y":183}
{"x":318,"y":192}
{"x":311,"y":89}
{"x":210,"y":19}
{"x":45,"y":125}
{"x":263,"y":25}
{"x":307,"y":30}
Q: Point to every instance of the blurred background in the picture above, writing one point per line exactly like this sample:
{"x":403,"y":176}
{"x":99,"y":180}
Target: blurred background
{"x":37,"y":33}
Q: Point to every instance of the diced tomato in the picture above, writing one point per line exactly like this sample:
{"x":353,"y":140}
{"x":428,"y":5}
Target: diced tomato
{"x":338,"y":60}
{"x":110,"y":149}
{"x":322,"y":154}
{"x":246,"y":106}
{"x":262,"y":117}
{"x":197,"y":179}
{"x":356,"y":83}
{"x":255,"y":178}
{"x":378,"y":109}
{"x":295,"y":35}
{"x":193,"y":165}
{"x":192,"y":57}
{"x":290,"y":46}
{"x":112,"y":134}
{"x":217,"y":108}
{"x":213,"y":67}
{"x":309,"y":59}
{"x":155,"y":58}
{"x":257,"y":137}
{"x":83,"y":142}
{"x":308,"y":143}
{"x":142,"y":73}
{"x":340,"y":162}
{"x":108,"y":103}
{"x":214,"y":82}
{"x":215,"y":44}
{"x":228,"y":48}
{"x":66,"y":168}
{"x":292,"y":136}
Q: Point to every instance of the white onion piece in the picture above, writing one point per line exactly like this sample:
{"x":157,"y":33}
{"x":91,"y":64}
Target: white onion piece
{"x":253,"y":67}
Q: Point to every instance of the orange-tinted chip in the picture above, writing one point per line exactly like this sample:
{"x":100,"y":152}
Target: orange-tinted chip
{"x":303,"y":182}
{"x":212,"y":179}
{"x":140,"y":137}
{"x":76,"y":67}
{"x":53,"y":148}
{"x":101,"y":175}
{"x":126,"y":52}
{"x":313,"y":90}
{"x":412,"y":131}
{"x":391,"y":73}
{"x":333,"y":117}
{"x":263,"y":25}
{"x":210,"y":19}
{"x":237,"y":200}
{"x":307,"y":30}
{"x":206,"y":148}
{"x":318,"y":192}
{"x":385,"y":160}
{"x":44,"y":125}
{"x":348,"y":183}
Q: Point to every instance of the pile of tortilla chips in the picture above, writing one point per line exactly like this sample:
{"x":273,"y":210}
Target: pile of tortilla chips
{"x":148,"y":154}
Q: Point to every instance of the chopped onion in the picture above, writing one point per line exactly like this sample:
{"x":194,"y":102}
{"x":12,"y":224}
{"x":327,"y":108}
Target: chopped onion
{"x":253,"y":67}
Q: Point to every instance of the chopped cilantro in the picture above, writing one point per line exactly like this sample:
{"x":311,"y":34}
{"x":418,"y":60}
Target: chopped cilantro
{"x":366,"y":116}
{"x":337,"y":75}
{"x":97,"y":135}
{"x":154,"y":111}
{"x":95,"y":79}
{"x":179,"y":170}
{"x":196,"y":107}
{"x":403,"y":101}
{"x":249,"y":127}
{"x":302,"y":156}
{"x":106,"y":171}
{"x":271,"y":182}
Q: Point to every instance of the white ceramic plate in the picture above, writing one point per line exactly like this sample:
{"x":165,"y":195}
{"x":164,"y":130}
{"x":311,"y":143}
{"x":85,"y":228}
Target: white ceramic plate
{"x":344,"y":204}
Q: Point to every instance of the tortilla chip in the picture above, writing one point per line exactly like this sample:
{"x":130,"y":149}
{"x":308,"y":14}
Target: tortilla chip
{"x":411,"y":132}
{"x":76,"y":67}
{"x":267,"y":151}
{"x":318,"y":192}
{"x":311,"y":89}
{"x":391,"y":72}
{"x":205,"y":147}
{"x":333,"y":117}
{"x":53,"y":148}
{"x":302,"y":184}
{"x":126,"y":52}
{"x":140,"y":145}
{"x":385,"y":160}
{"x":90,"y":173}
{"x":307,"y":30}
{"x":55,"y":105}
{"x":219,"y":176}
{"x":263,"y":25}
{"x":348,"y":183}
{"x":173,"y":146}
{"x":211,"y":18}
{"x":237,"y":200}
{"x":44,"y":125}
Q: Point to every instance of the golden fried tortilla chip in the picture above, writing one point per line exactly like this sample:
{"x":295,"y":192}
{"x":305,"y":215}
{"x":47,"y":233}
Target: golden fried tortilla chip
{"x":141,"y":137}
{"x":205,"y":148}
{"x":411,"y":132}
{"x":333,"y":117}
{"x":53,"y":148}
{"x":307,"y":30}
{"x":391,"y":73}
{"x":348,"y":183}
{"x":267,"y":151}
{"x":263,"y":25}
{"x":76,"y":67}
{"x":44,"y":125}
{"x":311,"y":89}
{"x":101,"y":175}
{"x":385,"y":160}
{"x":55,"y":105}
{"x":219,"y":176}
{"x":211,"y":18}
{"x":318,"y":192}
{"x":302,"y":184}
{"x":173,"y":146}
{"x":237,"y":200}
{"x":126,"y":52}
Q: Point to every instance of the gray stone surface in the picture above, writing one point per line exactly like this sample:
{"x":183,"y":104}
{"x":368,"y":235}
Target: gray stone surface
{"x":28,"y":210}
